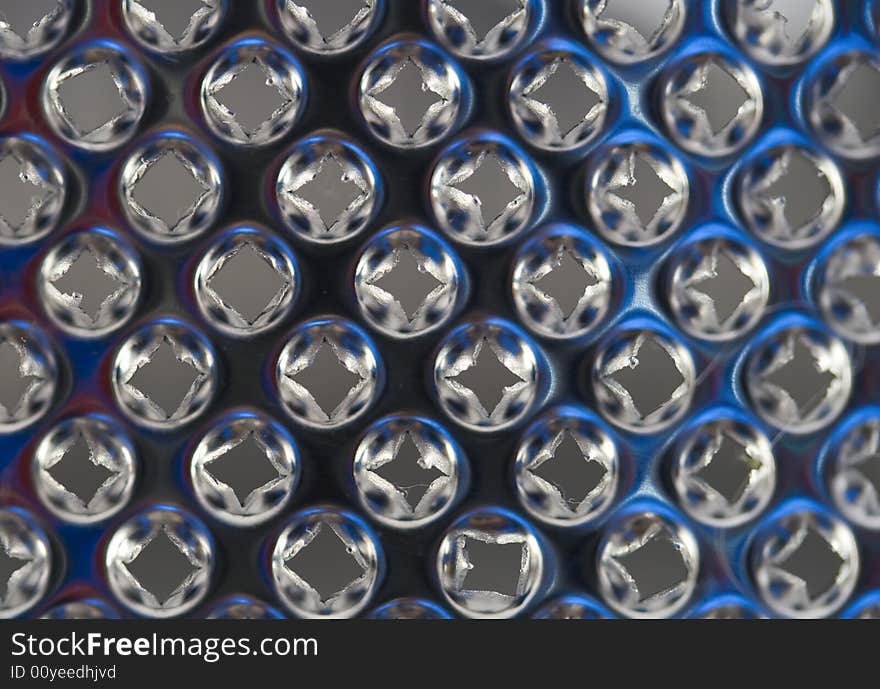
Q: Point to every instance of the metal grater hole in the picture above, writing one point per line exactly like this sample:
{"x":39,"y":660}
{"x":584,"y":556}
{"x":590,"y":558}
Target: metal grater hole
{"x":567,"y":469}
{"x":410,"y":95}
{"x":486,"y":375}
{"x":91,"y":99}
{"x":483,"y":192}
{"x":30,"y":29}
{"x":644,"y":381}
{"x":638,"y":194}
{"x":490,"y":564}
{"x":327,"y":379}
{"x":841,"y":104}
{"x":408,"y":471}
{"x":492,"y":567}
{"x":408,"y":474}
{"x":325,"y":564}
{"x":631,"y":31}
{"x":805,"y":562}
{"x":712,"y":105}
{"x":28,"y":376}
{"x":164,"y":379}
{"x":171,"y":26}
{"x":165,"y":375}
{"x":248,"y":283}
{"x":800,"y":378}
{"x":244,"y":469}
{"x":25,"y":563}
{"x":648,"y":565}
{"x":79,"y":473}
{"x":655,"y":568}
{"x":559,"y":100}
{"x":487,"y":378}
{"x":253,"y":94}
{"x":571,"y":472}
{"x":328,"y":374}
{"x":328,"y":28}
{"x":161,"y":568}
{"x":160,"y":562}
{"x":85,"y":469}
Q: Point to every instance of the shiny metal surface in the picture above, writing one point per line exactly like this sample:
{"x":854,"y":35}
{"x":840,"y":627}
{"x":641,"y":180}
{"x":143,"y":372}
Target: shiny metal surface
{"x":406,"y":309}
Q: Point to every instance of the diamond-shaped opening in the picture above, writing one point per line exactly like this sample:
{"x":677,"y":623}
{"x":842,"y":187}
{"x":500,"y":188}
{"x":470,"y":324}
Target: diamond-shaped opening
{"x":168,"y":190}
{"x":652,"y":378}
{"x":491,"y":189}
{"x":720,"y":97}
{"x":165,"y":379}
{"x":410,"y":97}
{"x":802,"y":380}
{"x":244,"y":467}
{"x":330,"y":192}
{"x":567,"y":95}
{"x":570,"y":471}
{"x":655,"y":568}
{"x":247,"y":283}
{"x":566,"y":283}
{"x":327,"y":379}
{"x":815,"y":563}
{"x":407,"y":473}
{"x":488,"y":378}
{"x":79,"y":473}
{"x":494,"y":567}
{"x":161,"y":568}
{"x":647,"y":191}
{"x":407,"y":283}
{"x":87,"y":283}
{"x":251,"y":97}
{"x":726,"y":285}
{"x":326,"y":564}
{"x":91,"y":98}
{"x":729,"y":470}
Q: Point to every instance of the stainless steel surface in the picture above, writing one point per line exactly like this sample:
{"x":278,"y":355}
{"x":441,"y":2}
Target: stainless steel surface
{"x":419,"y":309}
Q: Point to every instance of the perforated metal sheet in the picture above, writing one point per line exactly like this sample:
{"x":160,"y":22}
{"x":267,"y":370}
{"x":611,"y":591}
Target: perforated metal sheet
{"x":462,"y":242}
